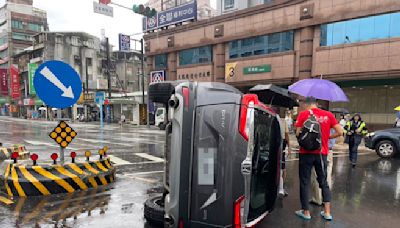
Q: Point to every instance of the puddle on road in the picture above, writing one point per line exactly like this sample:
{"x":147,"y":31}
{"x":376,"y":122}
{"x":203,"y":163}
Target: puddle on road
{"x":55,"y":209}
{"x":121,"y":201}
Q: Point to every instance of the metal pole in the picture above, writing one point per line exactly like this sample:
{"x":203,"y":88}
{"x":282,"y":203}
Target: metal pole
{"x":108,"y":68}
{"x":62,"y":155}
{"x":108,"y":76}
{"x":142,"y":54}
{"x":143,"y":77}
{"x":87,"y":90}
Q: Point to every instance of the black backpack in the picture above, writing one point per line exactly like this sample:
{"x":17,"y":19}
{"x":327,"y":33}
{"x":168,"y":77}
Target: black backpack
{"x":310,"y":135}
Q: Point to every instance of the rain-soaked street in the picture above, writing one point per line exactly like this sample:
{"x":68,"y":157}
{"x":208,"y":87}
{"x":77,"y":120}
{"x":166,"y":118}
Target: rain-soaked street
{"x":367,"y":196}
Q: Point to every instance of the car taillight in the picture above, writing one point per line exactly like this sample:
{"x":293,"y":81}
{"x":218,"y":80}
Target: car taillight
{"x":237,"y":212}
{"x":246,"y":114}
{"x":181,"y":223}
{"x":185,"y":93}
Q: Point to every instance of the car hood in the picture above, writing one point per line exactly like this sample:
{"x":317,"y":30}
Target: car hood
{"x":392,"y":130}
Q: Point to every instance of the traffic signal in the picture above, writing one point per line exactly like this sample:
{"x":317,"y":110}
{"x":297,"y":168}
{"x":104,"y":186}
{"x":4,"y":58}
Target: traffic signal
{"x":145,"y":11}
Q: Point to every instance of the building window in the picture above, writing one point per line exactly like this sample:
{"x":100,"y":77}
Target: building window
{"x":3,"y":40}
{"x":21,"y":36}
{"x":195,"y":55}
{"x":361,"y":29}
{"x":229,"y":4}
{"x":35,"y":27}
{"x":261,"y":45}
{"x":17,"y":24}
{"x":161,"y":61}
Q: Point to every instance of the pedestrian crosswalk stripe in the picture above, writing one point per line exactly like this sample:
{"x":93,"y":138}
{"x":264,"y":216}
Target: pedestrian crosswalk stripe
{"x":149,"y":157}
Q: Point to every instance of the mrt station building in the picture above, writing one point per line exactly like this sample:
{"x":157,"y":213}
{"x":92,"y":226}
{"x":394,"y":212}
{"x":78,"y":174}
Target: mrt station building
{"x":355,"y":43}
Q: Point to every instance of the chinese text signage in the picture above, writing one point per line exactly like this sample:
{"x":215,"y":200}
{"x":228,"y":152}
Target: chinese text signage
{"x":103,"y":9}
{"x":3,"y":82}
{"x":15,"y":84}
{"x":172,"y":16}
{"x":31,"y":72}
{"x":257,"y":69}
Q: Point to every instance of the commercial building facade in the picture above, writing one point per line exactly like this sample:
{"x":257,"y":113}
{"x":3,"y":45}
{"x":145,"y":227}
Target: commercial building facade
{"x":87,"y":55}
{"x":355,"y":43}
{"x":19,"y":21}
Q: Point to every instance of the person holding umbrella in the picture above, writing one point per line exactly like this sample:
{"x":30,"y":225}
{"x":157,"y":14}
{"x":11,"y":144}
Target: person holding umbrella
{"x":313,"y":130}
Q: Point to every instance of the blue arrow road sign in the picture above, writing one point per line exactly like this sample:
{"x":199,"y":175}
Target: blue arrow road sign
{"x":57,"y":84}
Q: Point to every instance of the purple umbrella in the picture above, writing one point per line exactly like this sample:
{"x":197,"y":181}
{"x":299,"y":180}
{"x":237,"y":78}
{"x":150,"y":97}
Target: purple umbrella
{"x":319,"y":88}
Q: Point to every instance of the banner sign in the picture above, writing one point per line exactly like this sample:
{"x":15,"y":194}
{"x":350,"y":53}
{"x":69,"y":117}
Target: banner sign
{"x":157,"y":76}
{"x":3,"y":82}
{"x":103,"y":9}
{"x":15,"y":83}
{"x":172,"y":16}
{"x":31,"y":72}
{"x":257,"y":69}
{"x":124,"y":42}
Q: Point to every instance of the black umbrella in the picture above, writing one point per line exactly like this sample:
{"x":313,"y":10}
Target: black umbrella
{"x":274,"y":95}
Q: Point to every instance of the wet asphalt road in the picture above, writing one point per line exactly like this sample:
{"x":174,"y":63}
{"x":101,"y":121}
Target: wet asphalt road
{"x":138,"y":153}
{"x":368,"y":196}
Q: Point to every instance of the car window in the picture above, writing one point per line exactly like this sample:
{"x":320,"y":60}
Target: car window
{"x":159,"y":112}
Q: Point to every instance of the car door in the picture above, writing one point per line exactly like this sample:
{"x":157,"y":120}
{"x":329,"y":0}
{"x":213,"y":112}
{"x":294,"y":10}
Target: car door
{"x":265,"y":166}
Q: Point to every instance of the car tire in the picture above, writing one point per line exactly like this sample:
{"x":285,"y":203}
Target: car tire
{"x":154,"y":210}
{"x":385,"y":149}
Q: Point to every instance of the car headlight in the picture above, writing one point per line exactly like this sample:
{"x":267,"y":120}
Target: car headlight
{"x":371,"y":134}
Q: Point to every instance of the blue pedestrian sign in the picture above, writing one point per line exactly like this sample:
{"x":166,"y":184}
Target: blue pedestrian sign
{"x":99,"y":98}
{"x":57,"y":84}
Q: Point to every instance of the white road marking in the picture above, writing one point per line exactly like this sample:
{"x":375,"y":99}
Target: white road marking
{"x":149,"y":157}
{"x":39,"y":143}
{"x":143,"y":173}
{"x":147,"y":180}
{"x":118,"y":161}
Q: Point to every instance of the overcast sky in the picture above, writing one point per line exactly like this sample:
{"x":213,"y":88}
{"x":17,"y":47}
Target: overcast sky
{"x":77,"y":15}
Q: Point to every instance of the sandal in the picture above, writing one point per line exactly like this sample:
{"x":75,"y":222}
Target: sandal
{"x":301,"y":214}
{"x":326,"y":217}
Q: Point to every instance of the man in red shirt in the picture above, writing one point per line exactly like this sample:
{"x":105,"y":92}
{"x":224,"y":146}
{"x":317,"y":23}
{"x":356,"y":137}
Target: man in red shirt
{"x":316,"y":158}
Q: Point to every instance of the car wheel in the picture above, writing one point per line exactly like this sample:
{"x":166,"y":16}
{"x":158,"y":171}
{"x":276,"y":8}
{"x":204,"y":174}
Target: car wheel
{"x":154,"y":210}
{"x":385,"y":149}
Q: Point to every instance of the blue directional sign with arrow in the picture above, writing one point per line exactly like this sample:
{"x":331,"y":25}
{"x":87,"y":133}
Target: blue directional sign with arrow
{"x":57,"y":84}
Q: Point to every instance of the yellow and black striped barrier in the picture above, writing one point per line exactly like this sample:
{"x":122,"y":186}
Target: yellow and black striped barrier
{"x":26,"y":180}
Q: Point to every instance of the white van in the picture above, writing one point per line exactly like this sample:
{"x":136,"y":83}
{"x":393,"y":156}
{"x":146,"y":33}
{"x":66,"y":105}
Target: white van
{"x":160,"y":118}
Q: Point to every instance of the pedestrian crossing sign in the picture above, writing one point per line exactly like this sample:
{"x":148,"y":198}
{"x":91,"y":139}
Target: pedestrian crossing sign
{"x":63,"y":134}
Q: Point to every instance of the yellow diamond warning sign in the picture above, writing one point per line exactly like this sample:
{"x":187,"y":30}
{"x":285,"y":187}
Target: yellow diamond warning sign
{"x":63,"y":134}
